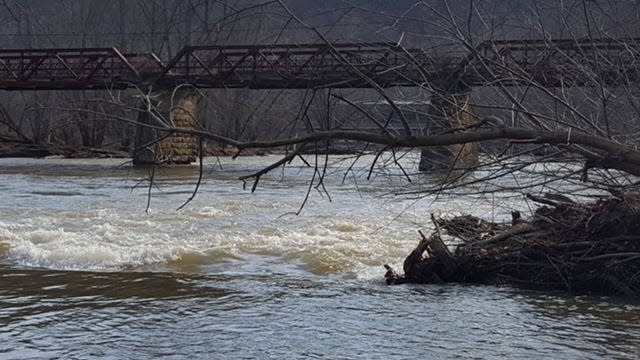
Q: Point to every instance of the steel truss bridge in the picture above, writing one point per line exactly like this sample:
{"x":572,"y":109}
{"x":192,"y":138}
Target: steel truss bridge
{"x":549,"y":63}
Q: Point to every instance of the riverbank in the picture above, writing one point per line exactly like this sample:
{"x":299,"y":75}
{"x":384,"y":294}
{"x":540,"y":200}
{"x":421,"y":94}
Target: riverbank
{"x":22,"y":149}
{"x":10,"y":148}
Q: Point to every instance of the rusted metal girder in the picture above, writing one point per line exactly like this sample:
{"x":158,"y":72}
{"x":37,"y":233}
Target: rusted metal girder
{"x":301,"y":66}
{"x":74,"y":69}
{"x":555,"y":62}
{"x":549,"y":63}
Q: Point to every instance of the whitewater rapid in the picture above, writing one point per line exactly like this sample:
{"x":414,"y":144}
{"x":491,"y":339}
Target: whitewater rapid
{"x":92,"y":215}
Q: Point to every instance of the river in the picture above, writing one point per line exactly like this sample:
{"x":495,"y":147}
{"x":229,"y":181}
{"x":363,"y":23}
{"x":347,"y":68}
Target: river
{"x":86,"y":272}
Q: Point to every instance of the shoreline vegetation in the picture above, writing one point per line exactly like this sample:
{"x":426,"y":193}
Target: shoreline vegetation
{"x":14,"y":148}
{"x":25,"y":149}
{"x":579,"y":248}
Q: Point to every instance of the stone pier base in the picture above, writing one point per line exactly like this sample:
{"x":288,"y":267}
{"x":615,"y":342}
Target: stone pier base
{"x":155,"y":146}
{"x":448,"y":112}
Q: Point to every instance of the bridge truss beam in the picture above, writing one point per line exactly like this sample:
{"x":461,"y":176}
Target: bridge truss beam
{"x":549,"y":63}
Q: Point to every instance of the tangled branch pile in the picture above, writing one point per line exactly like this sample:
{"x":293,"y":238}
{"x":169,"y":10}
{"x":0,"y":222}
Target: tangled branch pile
{"x":576,"y":247}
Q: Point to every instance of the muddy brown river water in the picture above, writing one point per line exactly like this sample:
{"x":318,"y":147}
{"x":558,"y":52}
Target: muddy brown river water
{"x":86,"y":273}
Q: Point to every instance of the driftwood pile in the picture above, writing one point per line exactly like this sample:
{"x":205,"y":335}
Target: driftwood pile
{"x":582,"y":248}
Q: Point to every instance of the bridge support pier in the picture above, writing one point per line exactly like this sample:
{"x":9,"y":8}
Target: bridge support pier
{"x":449,"y":111}
{"x":154,"y":146}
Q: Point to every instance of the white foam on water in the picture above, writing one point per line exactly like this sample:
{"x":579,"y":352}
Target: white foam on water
{"x":357,"y":244}
{"x":209,"y":211}
{"x":332,"y":245}
{"x":91,"y":250}
{"x":355,"y":234}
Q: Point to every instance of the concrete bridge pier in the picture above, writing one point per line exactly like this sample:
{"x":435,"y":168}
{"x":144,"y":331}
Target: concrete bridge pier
{"x":153,"y":145}
{"x":449,"y":111}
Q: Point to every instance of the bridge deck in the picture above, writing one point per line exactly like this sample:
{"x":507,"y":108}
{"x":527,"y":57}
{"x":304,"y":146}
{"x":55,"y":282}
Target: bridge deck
{"x":547,"y":62}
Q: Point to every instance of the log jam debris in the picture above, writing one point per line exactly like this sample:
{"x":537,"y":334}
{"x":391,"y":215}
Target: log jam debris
{"x":582,"y":248}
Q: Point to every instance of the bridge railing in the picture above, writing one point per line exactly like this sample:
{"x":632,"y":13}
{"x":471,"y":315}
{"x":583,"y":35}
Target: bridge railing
{"x":72,"y":68}
{"x":561,"y":62}
{"x":308,"y":65}
{"x":548,"y":62}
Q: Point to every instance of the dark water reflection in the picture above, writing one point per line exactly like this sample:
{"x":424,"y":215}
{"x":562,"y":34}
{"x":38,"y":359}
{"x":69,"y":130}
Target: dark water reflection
{"x":58,"y":314}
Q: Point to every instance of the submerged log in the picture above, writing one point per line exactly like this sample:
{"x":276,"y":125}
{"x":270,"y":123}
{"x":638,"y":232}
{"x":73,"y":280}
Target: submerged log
{"x":582,"y":248}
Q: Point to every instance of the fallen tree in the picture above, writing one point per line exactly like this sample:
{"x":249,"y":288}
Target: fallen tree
{"x":582,"y":248}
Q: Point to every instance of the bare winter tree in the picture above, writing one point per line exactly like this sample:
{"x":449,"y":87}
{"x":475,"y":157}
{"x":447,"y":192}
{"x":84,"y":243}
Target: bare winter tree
{"x":500,"y":97}
{"x":564,"y":88}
